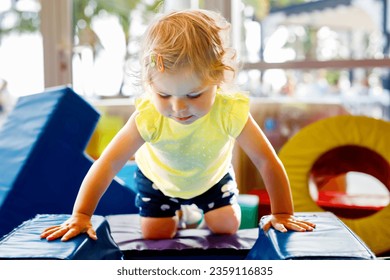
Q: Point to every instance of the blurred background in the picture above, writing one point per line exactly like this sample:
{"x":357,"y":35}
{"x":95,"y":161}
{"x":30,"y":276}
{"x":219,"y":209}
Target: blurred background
{"x":335,"y":51}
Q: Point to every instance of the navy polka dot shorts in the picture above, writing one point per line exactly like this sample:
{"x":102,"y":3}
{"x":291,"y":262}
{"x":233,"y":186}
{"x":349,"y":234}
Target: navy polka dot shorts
{"x":153,"y":203}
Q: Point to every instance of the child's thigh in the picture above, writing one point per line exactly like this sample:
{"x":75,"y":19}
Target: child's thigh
{"x":159,"y":228}
{"x":224,"y":220}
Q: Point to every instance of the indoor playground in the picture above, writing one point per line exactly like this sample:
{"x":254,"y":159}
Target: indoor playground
{"x":318,"y":88}
{"x":43,"y":146}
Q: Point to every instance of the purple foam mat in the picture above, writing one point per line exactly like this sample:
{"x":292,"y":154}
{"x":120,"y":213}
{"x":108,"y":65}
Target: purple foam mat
{"x":188,"y":243}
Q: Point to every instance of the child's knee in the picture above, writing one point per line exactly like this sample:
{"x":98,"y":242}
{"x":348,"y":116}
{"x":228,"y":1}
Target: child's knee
{"x":225,"y":220}
{"x":158,"y":228}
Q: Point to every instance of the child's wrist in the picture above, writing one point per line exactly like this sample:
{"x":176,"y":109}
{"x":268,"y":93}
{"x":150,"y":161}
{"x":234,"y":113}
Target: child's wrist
{"x":81,"y":215}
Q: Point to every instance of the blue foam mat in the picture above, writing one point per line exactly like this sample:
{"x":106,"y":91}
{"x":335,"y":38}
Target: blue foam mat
{"x":119,"y":236}
{"x":24,"y":242}
{"x":331,"y":239}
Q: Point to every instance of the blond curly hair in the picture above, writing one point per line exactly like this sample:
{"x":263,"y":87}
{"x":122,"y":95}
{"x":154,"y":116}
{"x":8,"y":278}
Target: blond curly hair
{"x":190,"y":39}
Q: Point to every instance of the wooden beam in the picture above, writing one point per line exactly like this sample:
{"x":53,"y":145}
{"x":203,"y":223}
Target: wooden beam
{"x":314,"y":64}
{"x":57,"y":35}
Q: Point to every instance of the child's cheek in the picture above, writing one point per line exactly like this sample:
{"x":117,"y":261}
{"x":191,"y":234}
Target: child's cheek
{"x":160,"y":105}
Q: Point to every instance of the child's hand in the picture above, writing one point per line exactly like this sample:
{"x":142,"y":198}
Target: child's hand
{"x":284,"y":222}
{"x":78,"y":223}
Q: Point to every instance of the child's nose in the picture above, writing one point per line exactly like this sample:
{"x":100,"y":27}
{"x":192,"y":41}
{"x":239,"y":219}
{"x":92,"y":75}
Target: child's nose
{"x":178,"y":105}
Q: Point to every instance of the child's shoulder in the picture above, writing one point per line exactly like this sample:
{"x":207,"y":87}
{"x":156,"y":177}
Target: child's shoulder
{"x":143,"y":103}
{"x":234,"y":107}
{"x":145,"y":109}
{"x":232,"y":97}
{"x":232,"y":94}
{"x":147,"y":118}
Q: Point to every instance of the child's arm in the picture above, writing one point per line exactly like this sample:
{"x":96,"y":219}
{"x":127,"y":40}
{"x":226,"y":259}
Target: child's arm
{"x":103,"y":170}
{"x":256,"y":145}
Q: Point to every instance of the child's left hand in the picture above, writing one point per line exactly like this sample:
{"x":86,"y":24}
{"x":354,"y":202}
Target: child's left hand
{"x":285,"y":222}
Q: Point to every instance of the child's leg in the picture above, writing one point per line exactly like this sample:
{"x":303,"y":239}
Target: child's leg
{"x":157,"y":211}
{"x":159,"y":228}
{"x":222,"y":213}
{"x":224,"y":220}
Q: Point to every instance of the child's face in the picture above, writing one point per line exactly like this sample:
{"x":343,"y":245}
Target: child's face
{"x":182,"y":96}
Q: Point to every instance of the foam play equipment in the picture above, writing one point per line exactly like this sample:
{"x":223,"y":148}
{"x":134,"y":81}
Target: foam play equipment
{"x":43,"y":162}
{"x":24,"y":242}
{"x":127,"y":173}
{"x":264,"y":201}
{"x":355,"y":143}
{"x":107,"y":127}
{"x":187,"y":244}
{"x":352,"y":206}
{"x":330,"y":240}
{"x":119,"y":237}
{"x":249,"y":205}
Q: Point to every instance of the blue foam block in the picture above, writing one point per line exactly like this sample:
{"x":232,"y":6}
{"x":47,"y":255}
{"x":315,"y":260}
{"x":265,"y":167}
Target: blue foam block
{"x":127,"y":173}
{"x":331,"y":239}
{"x":24,"y":242}
{"x":43,"y":162}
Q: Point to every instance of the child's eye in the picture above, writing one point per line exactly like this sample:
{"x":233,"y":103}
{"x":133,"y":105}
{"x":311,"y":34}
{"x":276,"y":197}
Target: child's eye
{"x":194,"y":95}
{"x":162,"y":95}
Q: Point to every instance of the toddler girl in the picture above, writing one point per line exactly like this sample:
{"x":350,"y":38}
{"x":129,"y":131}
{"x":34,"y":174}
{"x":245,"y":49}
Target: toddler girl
{"x":182,"y":134}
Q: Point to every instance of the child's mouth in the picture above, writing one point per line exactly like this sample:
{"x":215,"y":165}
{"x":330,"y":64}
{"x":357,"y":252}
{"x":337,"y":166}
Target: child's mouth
{"x":182,"y":119}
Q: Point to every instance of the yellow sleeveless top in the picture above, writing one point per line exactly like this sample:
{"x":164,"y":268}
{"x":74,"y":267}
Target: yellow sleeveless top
{"x":184,"y":161}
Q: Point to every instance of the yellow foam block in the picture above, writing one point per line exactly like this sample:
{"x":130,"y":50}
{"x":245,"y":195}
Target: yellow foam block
{"x":302,"y":150}
{"x":107,"y":127}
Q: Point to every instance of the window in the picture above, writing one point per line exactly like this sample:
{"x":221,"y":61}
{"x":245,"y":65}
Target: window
{"x":274,"y":42}
{"x":21,"y":48}
{"x":107,"y":35}
{"x":302,"y":51}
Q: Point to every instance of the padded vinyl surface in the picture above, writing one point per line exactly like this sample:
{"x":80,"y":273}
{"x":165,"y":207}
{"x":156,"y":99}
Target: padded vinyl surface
{"x":24,"y":242}
{"x":331,"y":239}
{"x":188,"y":244}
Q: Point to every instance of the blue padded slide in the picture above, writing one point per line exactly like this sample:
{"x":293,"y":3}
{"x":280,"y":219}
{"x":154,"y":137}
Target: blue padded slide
{"x":331,"y":239}
{"x":42,"y":159}
{"x":24,"y":242}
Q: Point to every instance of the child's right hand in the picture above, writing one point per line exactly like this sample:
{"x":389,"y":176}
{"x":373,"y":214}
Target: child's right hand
{"x":75,"y":225}
{"x":285,"y":222}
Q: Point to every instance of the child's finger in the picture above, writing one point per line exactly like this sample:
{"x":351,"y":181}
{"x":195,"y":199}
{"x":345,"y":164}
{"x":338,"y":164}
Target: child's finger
{"x":92,"y":234}
{"x":266,"y":226}
{"x":298,"y":226}
{"x":57,"y":233}
{"x":305,"y":225}
{"x":280,"y":227}
{"x":50,"y":228}
{"x":310,"y":224}
{"x":70,"y":234}
{"x":49,"y":231}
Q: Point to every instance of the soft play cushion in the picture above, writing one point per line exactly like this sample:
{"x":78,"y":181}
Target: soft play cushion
{"x":331,"y":239}
{"x":188,"y":243}
{"x":43,"y":162}
{"x":24,"y":242}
